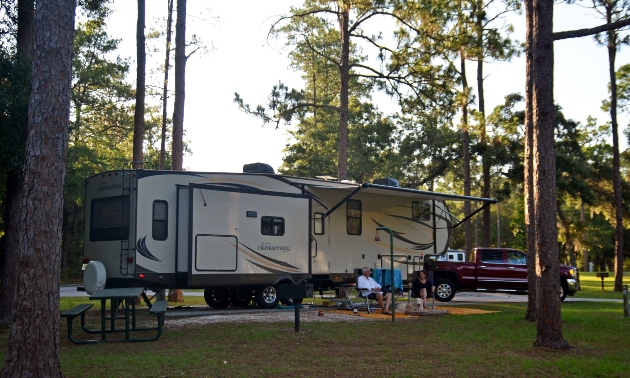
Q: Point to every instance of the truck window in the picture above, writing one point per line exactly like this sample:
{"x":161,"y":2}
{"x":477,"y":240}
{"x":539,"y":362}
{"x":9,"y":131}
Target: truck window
{"x":516,"y":257}
{"x":109,"y":218}
{"x":420,"y":211}
{"x":318,"y":223}
{"x":272,"y":226}
{"x":353,"y":217}
{"x":160,"y":220}
{"x":492,"y":257}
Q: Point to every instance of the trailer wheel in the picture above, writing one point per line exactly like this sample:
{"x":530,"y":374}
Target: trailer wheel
{"x":241,"y":297}
{"x":216,"y":298}
{"x":267,"y":296}
{"x":444,"y":291}
{"x":564,"y":289}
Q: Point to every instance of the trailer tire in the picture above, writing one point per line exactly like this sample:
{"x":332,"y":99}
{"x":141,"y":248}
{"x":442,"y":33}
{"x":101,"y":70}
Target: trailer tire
{"x":217,"y":297}
{"x":241,"y":297}
{"x":267,"y":296}
{"x":444,"y":290}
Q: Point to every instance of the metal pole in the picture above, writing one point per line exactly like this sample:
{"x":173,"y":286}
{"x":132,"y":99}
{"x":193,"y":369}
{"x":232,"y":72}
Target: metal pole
{"x":392,"y":283}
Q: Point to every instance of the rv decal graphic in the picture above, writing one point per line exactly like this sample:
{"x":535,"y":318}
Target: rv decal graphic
{"x":269,"y":247}
{"x":141,"y":246}
{"x":415,"y":245}
{"x":266,"y":263}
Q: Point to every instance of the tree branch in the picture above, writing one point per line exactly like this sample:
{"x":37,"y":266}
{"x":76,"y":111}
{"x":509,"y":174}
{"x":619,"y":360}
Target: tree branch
{"x":586,"y":32}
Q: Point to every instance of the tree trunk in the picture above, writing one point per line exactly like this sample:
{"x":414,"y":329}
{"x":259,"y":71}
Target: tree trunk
{"x":568,"y":236}
{"x":530,"y":222}
{"x":466,"y":156}
{"x":138,"y":119}
{"x":9,"y":242}
{"x":485,"y":225}
{"x":612,"y":52}
{"x":167,"y":61}
{"x":33,"y":340}
{"x":344,"y":67}
{"x":549,"y":322}
{"x":585,"y":256}
{"x":180,"y":87}
{"x":177,"y":163}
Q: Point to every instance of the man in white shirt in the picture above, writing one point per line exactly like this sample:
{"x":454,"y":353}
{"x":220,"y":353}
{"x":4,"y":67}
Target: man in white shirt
{"x":371,"y":287}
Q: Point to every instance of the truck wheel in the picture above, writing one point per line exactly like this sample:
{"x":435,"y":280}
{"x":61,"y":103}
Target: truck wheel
{"x":564,"y":289}
{"x":241,"y":298}
{"x":267,"y":296}
{"x":444,"y":291}
{"x":217,"y":298}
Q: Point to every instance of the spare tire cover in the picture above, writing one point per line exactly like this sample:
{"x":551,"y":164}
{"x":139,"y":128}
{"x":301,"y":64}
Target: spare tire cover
{"x":94,"y":277}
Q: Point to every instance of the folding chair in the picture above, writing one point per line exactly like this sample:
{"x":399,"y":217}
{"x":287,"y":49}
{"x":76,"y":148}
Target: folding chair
{"x":363,"y":299}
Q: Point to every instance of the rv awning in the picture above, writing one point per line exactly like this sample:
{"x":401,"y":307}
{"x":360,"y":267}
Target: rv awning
{"x":420,"y":194}
{"x":354,"y":188}
{"x":385,"y":190}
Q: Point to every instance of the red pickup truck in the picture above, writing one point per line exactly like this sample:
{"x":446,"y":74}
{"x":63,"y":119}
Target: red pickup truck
{"x":493,"y":269}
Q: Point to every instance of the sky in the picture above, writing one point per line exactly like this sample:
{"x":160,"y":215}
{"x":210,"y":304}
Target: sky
{"x":223,"y":138}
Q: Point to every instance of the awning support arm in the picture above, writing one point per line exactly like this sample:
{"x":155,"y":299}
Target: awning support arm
{"x":473,"y":213}
{"x":342,"y":201}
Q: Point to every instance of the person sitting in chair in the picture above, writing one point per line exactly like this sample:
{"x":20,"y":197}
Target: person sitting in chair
{"x":421,"y":286}
{"x":372,"y":289}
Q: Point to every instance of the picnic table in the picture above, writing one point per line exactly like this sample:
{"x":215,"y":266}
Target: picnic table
{"x":116,"y":295}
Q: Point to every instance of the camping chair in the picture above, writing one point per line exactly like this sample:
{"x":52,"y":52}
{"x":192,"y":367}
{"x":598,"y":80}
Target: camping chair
{"x":361,"y":300}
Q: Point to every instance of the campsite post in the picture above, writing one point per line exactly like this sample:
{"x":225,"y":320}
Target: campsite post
{"x":391,"y":251}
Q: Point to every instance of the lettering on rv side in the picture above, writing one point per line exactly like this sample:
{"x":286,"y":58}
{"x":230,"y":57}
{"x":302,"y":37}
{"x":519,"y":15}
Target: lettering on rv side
{"x":109,"y":187}
{"x":270,"y":247}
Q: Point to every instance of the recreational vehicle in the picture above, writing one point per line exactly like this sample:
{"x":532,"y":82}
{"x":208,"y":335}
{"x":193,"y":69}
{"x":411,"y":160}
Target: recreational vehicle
{"x":239,"y":235}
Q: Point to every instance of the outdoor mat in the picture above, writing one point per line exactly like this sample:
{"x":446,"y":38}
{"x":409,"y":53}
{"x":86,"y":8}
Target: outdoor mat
{"x":428,"y":312}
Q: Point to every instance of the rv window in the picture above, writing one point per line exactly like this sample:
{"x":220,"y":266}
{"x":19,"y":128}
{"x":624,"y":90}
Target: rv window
{"x":353,"y":217}
{"x":160,"y":220}
{"x":318,"y":224}
{"x":109,"y":218}
{"x":420,"y":210}
{"x":272,"y":226}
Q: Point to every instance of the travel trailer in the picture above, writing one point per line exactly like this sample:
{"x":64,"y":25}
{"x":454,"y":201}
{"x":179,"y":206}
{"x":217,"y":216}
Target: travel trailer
{"x":240,"y":235}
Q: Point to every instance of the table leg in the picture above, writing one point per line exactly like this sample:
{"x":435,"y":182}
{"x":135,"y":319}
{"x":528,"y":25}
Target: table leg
{"x":126,"y":318}
{"x":103,"y":308}
{"x":133,"y":314}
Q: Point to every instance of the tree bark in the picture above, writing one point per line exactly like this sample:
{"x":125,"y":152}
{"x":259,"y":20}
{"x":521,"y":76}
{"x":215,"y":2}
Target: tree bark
{"x":177,"y":295}
{"x":138,"y":119}
{"x":180,"y":87}
{"x":530,"y":222}
{"x":468,"y":245}
{"x":485,"y":164}
{"x":344,"y":67}
{"x":612,"y":52}
{"x":549,"y":321}
{"x":33,"y":340}
{"x":9,"y":242}
{"x":568,"y":236}
{"x":167,"y":61}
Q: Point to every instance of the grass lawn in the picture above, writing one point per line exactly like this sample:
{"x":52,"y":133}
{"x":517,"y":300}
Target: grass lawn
{"x":491,"y":345}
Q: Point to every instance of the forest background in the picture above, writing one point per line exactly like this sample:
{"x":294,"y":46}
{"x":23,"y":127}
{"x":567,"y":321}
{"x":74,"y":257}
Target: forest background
{"x":392,"y":130}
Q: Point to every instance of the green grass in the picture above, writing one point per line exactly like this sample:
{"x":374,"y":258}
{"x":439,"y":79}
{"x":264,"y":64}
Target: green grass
{"x":492,"y":345}
{"x":591,"y":286}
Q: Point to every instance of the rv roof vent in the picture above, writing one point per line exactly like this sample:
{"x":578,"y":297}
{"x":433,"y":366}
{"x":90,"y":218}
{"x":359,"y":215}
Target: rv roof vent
{"x":387,"y":181}
{"x":258,"y":168}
